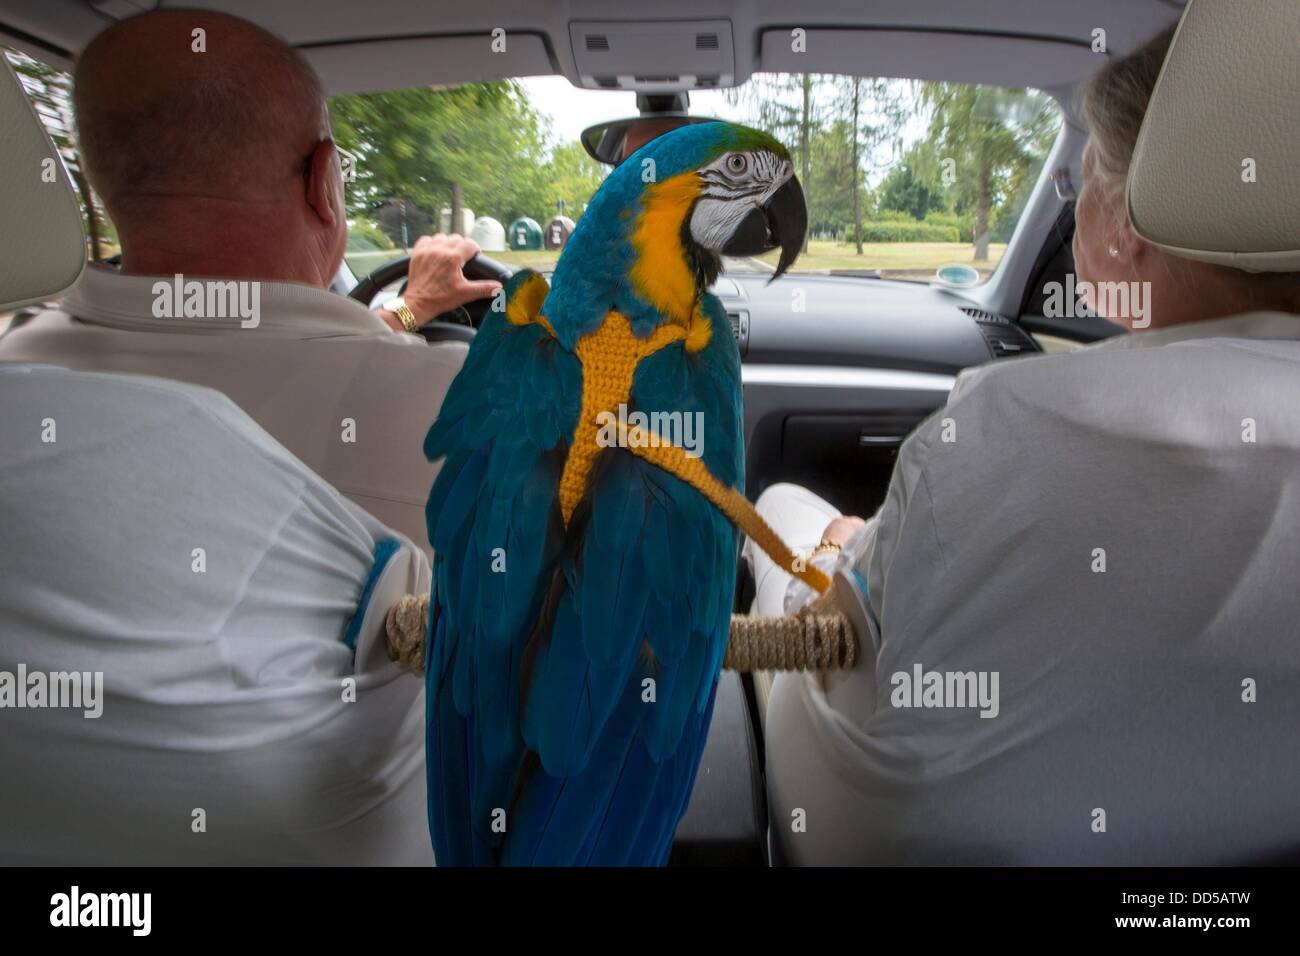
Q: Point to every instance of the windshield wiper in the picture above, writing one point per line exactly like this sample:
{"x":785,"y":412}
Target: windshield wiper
{"x":858,"y":273}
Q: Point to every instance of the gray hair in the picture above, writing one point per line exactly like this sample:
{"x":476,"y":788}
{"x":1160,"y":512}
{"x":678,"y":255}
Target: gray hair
{"x":1114,"y":104}
{"x":1115,"y":101}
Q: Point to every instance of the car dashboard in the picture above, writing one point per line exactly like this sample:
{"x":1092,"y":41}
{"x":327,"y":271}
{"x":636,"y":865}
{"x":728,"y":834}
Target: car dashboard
{"x":837,"y":371}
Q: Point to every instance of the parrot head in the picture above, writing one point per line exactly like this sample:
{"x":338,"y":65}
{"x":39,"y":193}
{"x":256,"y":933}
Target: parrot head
{"x":651,"y":241}
{"x":749,"y":200}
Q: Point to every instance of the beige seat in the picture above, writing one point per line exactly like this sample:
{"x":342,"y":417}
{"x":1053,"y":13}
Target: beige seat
{"x":1214,"y":174}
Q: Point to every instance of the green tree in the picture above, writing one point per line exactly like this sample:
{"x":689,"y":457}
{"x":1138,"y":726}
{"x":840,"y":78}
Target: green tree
{"x":855,"y":132}
{"x":481,"y":143}
{"x":913,"y":185}
{"x":992,"y":136}
{"x":571,"y":176}
{"x":874,"y":112}
{"x":829,"y":187}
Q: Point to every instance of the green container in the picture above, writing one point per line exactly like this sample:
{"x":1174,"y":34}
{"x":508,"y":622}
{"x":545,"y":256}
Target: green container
{"x":524,"y":233}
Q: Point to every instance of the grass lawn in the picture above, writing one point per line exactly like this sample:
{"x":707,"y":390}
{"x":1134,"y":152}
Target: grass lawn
{"x":889,"y":257}
{"x":905,"y":260}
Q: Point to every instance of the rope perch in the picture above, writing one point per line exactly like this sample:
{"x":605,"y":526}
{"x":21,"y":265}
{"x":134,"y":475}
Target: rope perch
{"x":405,"y":625}
{"x":815,"y":639}
{"x":805,"y":641}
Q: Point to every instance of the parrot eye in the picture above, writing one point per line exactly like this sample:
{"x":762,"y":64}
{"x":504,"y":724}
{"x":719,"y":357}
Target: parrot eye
{"x":737,"y":164}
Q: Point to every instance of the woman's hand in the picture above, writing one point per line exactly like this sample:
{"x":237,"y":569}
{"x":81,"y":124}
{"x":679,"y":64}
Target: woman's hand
{"x":841,"y":529}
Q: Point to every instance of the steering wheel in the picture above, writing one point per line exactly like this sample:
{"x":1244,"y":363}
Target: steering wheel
{"x":460,"y":323}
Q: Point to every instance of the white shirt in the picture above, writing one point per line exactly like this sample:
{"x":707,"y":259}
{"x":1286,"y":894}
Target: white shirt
{"x":1113,"y":533}
{"x":315,"y":362}
{"x":226,"y":735}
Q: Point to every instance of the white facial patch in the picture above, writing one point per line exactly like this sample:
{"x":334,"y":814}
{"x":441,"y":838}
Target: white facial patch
{"x":730,"y":194}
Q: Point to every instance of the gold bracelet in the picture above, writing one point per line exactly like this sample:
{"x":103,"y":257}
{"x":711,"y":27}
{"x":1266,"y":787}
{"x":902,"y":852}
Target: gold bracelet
{"x":827,"y":546}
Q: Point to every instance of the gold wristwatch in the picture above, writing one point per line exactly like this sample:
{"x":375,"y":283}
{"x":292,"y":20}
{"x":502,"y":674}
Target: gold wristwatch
{"x":403,"y":311}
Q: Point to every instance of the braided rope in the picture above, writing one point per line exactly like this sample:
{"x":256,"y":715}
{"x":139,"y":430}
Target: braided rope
{"x":811,"y":640}
{"x":405,"y":624}
{"x":801,"y":642}
{"x":729,"y":501}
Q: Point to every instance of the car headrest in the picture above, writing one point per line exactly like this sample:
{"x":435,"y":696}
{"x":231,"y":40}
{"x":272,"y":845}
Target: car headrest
{"x":42,"y":246}
{"x":1214,"y":173}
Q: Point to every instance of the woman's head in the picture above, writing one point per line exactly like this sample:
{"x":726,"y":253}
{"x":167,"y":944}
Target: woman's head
{"x":1162,"y":289}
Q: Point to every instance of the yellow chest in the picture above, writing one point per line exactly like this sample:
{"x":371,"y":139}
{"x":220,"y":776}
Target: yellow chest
{"x":609,"y":358}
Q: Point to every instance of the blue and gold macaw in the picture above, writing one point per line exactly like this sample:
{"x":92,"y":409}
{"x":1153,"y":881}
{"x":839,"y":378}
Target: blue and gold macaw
{"x":582,"y":593}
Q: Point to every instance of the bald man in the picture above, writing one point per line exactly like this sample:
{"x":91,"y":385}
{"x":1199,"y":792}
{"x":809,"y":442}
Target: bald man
{"x":217,"y":166}
{"x":644,"y":130}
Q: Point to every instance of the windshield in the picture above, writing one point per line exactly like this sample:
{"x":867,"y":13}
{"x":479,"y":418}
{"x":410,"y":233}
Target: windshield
{"x":901,"y":177}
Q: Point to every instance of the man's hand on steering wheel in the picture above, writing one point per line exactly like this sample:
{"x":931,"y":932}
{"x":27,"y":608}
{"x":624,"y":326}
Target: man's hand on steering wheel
{"x":436,"y":283}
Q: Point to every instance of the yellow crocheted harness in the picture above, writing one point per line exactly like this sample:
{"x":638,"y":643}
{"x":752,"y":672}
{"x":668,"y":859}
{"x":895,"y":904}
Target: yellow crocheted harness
{"x":609,"y":357}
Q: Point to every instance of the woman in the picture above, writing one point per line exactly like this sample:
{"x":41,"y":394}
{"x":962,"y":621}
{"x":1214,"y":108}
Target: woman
{"x":1076,"y":578}
{"x":1106,"y":250}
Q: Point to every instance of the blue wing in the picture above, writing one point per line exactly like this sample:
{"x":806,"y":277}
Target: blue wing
{"x":495,"y":528}
{"x":571,"y":696}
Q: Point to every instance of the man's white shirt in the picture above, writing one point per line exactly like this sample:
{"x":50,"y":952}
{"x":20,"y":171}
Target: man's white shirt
{"x":232,"y":604}
{"x":325,"y":376}
{"x":1113,"y":534}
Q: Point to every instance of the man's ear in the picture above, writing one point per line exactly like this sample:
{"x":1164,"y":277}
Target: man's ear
{"x":325,"y":183}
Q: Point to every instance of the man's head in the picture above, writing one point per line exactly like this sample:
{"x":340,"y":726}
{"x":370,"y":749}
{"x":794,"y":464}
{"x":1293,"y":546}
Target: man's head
{"x":644,"y":130}
{"x":208,"y":140}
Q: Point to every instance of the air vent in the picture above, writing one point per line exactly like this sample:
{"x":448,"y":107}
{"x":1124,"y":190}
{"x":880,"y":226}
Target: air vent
{"x":706,"y":41}
{"x":597,"y":41}
{"x":740,"y":329}
{"x":1004,"y":338}
{"x":1002,"y":345}
{"x":1006,"y":341}
{"x":980,"y":315}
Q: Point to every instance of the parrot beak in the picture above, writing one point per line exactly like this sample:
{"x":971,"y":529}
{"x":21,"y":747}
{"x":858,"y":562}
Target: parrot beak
{"x":781,"y":222}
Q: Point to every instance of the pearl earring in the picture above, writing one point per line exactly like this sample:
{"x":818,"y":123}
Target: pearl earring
{"x":1114,"y":252}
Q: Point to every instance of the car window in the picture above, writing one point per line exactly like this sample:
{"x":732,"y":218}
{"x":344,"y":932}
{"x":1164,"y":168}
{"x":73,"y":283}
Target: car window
{"x":943,"y":170}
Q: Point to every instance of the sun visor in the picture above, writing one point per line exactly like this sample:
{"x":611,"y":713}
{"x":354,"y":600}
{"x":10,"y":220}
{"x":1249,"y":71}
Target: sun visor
{"x":372,"y":65}
{"x":951,"y":57}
